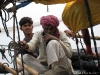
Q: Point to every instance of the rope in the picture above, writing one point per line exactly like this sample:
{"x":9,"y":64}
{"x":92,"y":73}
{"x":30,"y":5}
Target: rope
{"x":4,"y":22}
{"x":19,"y":40}
{"x":87,"y":57}
{"x":79,"y":55}
{"x":91,"y":27}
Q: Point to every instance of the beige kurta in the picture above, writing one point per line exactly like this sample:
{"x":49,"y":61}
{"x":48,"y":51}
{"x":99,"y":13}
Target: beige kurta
{"x":55,"y":53}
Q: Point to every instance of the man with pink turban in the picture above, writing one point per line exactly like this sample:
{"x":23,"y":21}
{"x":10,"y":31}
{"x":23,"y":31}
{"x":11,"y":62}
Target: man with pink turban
{"x":51,"y":20}
{"x":54,"y":49}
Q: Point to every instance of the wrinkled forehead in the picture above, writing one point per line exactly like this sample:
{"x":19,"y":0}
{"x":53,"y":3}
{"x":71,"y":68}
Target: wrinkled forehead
{"x":48,"y":25}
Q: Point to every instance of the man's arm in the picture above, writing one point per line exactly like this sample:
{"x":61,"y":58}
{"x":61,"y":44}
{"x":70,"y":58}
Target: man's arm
{"x":66,"y":45}
{"x":69,"y":33}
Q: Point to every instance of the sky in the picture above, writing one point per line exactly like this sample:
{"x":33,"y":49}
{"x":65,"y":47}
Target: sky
{"x":35,"y":11}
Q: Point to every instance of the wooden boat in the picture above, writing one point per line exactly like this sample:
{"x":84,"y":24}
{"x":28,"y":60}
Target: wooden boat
{"x":69,"y":22}
{"x":5,"y":69}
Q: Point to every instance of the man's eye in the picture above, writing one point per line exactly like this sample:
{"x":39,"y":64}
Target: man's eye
{"x":46,"y":29}
{"x":51,"y":28}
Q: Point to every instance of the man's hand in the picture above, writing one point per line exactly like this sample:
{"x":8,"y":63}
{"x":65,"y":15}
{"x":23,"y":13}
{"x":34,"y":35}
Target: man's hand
{"x":49,"y":37}
{"x":69,"y":33}
{"x":23,"y":45}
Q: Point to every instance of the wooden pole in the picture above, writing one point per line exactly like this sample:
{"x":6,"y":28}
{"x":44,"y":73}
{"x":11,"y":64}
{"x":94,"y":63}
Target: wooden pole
{"x":96,"y":37}
{"x":30,"y":70}
{"x":8,"y":69}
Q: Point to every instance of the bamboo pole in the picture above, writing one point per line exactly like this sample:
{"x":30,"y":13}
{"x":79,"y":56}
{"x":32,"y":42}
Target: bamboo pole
{"x":30,"y":70}
{"x":96,"y":37}
{"x":8,"y":69}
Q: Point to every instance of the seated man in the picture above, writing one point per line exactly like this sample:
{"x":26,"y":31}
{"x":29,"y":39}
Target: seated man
{"x":54,"y":49}
{"x":26,"y":26}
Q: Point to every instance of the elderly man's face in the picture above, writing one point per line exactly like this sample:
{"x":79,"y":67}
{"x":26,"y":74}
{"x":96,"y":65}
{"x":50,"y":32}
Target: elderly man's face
{"x":49,"y":29}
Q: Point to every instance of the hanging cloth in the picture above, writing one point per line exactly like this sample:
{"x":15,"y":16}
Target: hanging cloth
{"x":49,"y":2}
{"x":87,"y":41}
{"x":75,"y":15}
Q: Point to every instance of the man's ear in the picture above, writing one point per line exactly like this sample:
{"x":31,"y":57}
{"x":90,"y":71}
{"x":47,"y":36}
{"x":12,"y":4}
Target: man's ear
{"x":32,"y":26}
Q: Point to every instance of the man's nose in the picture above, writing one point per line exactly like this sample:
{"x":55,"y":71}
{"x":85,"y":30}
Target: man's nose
{"x":48,"y":31}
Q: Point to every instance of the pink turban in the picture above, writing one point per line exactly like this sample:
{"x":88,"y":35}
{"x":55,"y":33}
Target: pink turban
{"x":52,"y":20}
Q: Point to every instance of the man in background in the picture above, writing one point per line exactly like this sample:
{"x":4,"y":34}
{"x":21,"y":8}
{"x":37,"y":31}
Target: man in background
{"x":26,"y":26}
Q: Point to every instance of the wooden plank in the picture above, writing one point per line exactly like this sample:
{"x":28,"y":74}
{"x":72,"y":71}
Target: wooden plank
{"x":96,"y":37}
{"x":8,"y":69}
{"x":27,"y":68}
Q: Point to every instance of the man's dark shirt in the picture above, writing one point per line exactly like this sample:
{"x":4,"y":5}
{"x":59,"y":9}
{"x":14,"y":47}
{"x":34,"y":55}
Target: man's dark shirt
{"x":35,"y":53}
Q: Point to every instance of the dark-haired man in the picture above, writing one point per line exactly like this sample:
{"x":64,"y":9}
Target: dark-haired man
{"x":26,"y":25}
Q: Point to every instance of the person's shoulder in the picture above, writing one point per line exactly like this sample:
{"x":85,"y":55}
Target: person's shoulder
{"x":62,"y":34}
{"x":38,"y":33}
